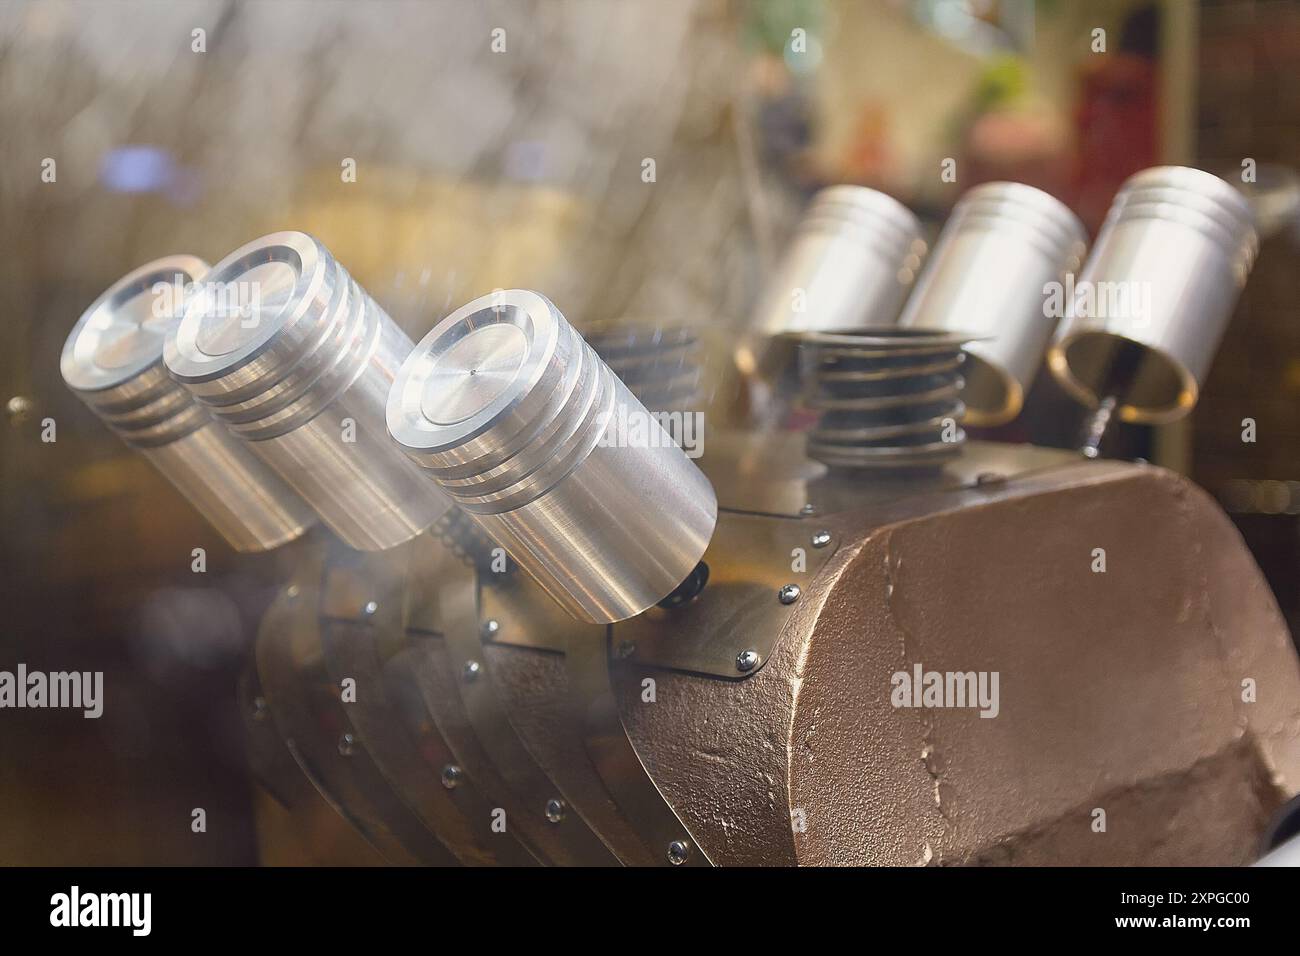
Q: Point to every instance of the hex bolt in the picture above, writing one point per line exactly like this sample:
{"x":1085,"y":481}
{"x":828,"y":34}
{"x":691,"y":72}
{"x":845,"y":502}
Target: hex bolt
{"x":747,"y":660}
{"x":788,"y":594}
{"x":821,"y":538}
{"x":679,"y":851}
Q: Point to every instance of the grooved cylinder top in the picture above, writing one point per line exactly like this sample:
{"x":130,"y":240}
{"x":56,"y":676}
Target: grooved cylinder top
{"x":855,"y":254}
{"x":291,"y":354}
{"x":1000,"y":249}
{"x":520,"y":422}
{"x":113,"y":361}
{"x":1146,"y":316}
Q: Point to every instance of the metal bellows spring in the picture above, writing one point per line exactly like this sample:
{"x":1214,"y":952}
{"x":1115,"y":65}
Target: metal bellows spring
{"x":888,"y":398}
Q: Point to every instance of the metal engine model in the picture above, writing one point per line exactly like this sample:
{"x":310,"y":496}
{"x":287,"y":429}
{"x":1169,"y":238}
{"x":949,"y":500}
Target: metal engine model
{"x":544,"y":619}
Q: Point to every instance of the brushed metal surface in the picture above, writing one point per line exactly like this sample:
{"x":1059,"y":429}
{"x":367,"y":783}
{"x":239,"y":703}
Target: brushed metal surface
{"x":855,"y":254}
{"x":113,"y":361}
{"x":1184,"y":241}
{"x":516,"y":418}
{"x":986,"y":277}
{"x":301,"y":372}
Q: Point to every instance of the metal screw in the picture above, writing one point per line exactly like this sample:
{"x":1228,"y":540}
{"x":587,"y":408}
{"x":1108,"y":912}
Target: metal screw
{"x":19,"y":408}
{"x":808,"y":509}
{"x":259,"y":708}
{"x":370,"y":608}
{"x":490,"y":628}
{"x":451,"y":775}
{"x":747,"y":660}
{"x":472,"y":670}
{"x":679,"y":851}
{"x":821,"y":538}
{"x":624,"y":650}
{"x":555,"y":809}
{"x":292,"y":592}
{"x":346,"y":745}
{"x":788,"y":594}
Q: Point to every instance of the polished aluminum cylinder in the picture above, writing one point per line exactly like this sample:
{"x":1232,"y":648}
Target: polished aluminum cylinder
{"x":292,"y":356}
{"x":1146,"y":316}
{"x":855,"y":254}
{"x":113,"y":361}
{"x":514,"y":415}
{"x":1001,"y":250}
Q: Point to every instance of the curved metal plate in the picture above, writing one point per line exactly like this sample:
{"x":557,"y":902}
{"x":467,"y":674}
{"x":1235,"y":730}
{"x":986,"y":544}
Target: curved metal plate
{"x":412,"y":760}
{"x":305,"y":705}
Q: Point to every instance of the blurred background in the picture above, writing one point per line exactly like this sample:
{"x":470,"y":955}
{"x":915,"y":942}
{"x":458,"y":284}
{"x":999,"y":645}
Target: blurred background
{"x":478,"y":169}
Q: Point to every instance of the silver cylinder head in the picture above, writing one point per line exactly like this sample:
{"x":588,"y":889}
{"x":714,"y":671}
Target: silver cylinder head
{"x":521,"y":423}
{"x":113,"y":361}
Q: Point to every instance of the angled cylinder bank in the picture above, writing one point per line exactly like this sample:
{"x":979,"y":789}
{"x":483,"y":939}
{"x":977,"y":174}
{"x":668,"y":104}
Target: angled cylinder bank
{"x":295,"y":358}
{"x":519,"y":420}
{"x":113,"y":361}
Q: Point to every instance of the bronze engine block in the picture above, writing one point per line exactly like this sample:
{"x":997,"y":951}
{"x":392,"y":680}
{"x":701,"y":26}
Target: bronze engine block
{"x":1147,"y":714}
{"x":847,"y":636}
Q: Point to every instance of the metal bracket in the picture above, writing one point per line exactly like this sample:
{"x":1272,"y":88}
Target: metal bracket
{"x":734,"y":625}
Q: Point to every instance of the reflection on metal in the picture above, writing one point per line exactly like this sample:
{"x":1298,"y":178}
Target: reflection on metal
{"x":1000,"y":250}
{"x":305,"y":704}
{"x":294,"y":357}
{"x":400,"y":737}
{"x":886,"y":398}
{"x":1156,"y":294}
{"x":567,"y":840}
{"x":455,"y":616}
{"x":751,"y":558}
{"x":576,"y":778}
{"x":113,"y":361}
{"x":615,"y":757}
{"x":855,"y":254}
{"x":659,"y":363}
{"x":519,"y":420}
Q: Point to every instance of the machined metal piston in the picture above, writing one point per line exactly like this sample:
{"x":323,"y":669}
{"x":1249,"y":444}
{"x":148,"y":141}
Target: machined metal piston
{"x":294,"y":357}
{"x":113,"y":361}
{"x":1146,"y":316}
{"x":988,"y":275}
{"x":514,"y":415}
{"x":854,"y":256}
